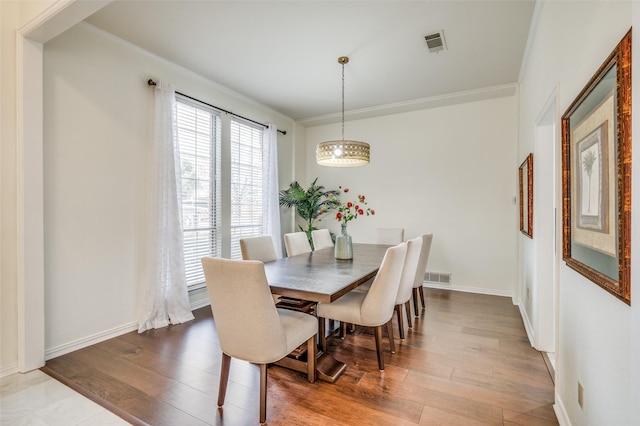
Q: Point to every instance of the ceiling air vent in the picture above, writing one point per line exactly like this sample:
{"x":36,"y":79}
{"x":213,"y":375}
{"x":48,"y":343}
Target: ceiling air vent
{"x":435,"y":42}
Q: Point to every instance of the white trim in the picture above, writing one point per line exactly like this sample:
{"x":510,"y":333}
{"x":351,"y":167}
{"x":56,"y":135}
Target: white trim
{"x":9,"y":369}
{"x":59,"y":17}
{"x":192,"y":74}
{"x":527,"y":324}
{"x":198,"y":298}
{"x":29,"y":171}
{"x":561,"y":412}
{"x":547,"y":147}
{"x":89,"y":340}
{"x":456,"y":98}
{"x":477,"y":290}
{"x":533,"y":26}
{"x":196,"y":302}
{"x":30,"y":203}
{"x":551,"y":102}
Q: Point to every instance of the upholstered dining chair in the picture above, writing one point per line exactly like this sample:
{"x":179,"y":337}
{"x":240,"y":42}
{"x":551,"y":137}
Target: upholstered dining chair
{"x":389,"y":236}
{"x":296,"y":243}
{"x":373,"y":308}
{"x":408,"y":278}
{"x":258,"y":248}
{"x":262,"y":249}
{"x":321,"y":239}
{"x":422,"y":267}
{"x":265,"y":336}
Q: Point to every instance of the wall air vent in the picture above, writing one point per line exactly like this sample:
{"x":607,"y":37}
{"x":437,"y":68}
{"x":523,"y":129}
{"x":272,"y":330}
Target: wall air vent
{"x":435,"y":42}
{"x":438,"y":277}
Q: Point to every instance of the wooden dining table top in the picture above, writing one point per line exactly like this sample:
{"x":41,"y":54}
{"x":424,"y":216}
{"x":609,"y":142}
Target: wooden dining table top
{"x":320,"y":277}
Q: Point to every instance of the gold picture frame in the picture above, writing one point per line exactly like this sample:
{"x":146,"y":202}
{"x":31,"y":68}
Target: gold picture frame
{"x":525,"y":178}
{"x":596,"y":176}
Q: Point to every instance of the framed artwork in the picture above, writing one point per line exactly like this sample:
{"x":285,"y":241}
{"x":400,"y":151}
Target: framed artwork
{"x":596,"y":176}
{"x":525,"y":174}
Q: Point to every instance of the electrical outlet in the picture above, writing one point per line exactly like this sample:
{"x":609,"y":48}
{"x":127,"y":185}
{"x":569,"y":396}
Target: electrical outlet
{"x":580,"y":395}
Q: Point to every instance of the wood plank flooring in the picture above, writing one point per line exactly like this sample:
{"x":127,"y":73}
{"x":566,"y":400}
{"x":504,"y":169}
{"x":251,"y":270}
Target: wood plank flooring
{"x":467,"y":361}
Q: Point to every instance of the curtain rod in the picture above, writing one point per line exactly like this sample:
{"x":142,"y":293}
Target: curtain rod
{"x":150,"y":82}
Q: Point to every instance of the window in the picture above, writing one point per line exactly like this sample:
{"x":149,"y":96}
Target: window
{"x":198,"y":134}
{"x":246,"y":183}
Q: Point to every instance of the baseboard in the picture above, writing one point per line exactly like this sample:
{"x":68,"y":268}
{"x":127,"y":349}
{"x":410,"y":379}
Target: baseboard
{"x":197,"y":299}
{"x":550,"y":366}
{"x":89,"y":340}
{"x":9,"y":369}
{"x":561,"y":412}
{"x":523,"y":312}
{"x":527,"y":324}
{"x":477,"y":290}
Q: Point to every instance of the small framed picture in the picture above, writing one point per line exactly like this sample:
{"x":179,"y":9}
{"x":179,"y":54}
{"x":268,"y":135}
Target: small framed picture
{"x":525,"y":173}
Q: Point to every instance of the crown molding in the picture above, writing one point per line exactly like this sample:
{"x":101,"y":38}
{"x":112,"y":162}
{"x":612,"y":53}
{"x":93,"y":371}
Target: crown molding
{"x":414,"y":105}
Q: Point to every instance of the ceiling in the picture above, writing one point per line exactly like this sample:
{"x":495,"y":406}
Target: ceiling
{"x":284,"y":54}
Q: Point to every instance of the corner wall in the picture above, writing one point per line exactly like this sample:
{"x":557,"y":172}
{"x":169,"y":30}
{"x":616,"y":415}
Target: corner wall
{"x":98,"y":112}
{"x":571,"y":40}
{"x":447,"y":170}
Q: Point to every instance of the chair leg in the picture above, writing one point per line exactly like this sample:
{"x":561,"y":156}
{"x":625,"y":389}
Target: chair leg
{"x":343,"y":329}
{"x":421,"y":288}
{"x":408,"y":310}
{"x":224,"y":378}
{"x":392,"y":342}
{"x":323,"y":335}
{"x":311,"y":359}
{"x":263,"y":393}
{"x":400,"y":321}
{"x":378,"y":334}
{"x":415,"y":301}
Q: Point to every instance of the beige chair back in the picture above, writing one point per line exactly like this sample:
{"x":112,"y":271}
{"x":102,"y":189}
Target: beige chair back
{"x":296,"y":243}
{"x":236,"y":287}
{"x":321,"y":239}
{"x":424,"y":258}
{"x":389,"y":236}
{"x":258,"y":248}
{"x":377,"y":307}
{"x":411,"y":261}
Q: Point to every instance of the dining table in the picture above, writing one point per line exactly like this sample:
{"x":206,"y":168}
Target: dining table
{"x":307,"y":279}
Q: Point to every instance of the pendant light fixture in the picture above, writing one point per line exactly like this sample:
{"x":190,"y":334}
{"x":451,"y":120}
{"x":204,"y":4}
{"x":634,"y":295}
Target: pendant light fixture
{"x":342,"y":153}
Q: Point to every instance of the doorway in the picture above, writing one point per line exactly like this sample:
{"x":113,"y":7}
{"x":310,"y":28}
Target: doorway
{"x":546,"y":235}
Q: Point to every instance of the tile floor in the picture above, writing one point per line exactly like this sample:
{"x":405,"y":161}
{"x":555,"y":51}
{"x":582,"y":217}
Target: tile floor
{"x":35,"y":399}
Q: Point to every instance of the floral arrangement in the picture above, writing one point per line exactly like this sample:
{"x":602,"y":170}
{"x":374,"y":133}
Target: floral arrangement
{"x":351,"y":210}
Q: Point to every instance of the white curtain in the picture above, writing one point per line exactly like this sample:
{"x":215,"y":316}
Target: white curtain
{"x":163,"y":297}
{"x":270,"y":190}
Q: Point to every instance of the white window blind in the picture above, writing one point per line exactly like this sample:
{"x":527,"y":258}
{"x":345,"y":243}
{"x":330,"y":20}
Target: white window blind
{"x":198,"y":135}
{"x":246,"y":183}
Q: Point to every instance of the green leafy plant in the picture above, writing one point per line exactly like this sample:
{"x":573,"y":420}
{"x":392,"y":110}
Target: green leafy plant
{"x":310,"y":203}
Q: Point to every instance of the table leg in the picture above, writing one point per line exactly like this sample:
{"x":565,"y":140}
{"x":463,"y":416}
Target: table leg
{"x":327,"y":367}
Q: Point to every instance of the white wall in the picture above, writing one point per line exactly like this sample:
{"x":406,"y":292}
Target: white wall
{"x":447,"y":170}
{"x":13,"y":15}
{"x":571,"y":41}
{"x":98,"y":110}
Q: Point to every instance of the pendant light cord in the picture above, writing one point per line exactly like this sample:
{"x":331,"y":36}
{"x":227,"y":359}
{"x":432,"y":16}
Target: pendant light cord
{"x":342,"y":101}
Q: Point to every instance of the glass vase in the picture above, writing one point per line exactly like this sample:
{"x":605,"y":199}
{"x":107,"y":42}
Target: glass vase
{"x":343,"y":247}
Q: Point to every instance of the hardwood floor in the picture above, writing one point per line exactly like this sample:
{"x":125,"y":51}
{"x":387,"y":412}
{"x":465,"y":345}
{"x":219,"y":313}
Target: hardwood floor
{"x":467,"y":361}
